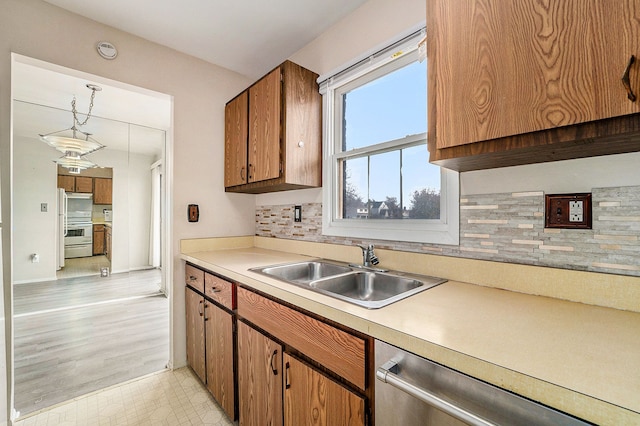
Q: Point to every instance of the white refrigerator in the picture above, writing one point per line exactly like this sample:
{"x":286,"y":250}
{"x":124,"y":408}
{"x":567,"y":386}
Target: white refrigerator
{"x":61,"y":227}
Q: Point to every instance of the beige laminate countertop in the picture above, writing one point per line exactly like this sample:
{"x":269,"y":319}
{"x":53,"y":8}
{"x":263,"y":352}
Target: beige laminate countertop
{"x":581,"y":359}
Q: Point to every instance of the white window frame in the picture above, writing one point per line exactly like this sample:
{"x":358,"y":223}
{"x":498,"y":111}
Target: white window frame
{"x":436,"y":231}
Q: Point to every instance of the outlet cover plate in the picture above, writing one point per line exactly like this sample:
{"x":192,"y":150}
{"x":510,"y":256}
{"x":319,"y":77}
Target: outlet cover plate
{"x":568,"y":211}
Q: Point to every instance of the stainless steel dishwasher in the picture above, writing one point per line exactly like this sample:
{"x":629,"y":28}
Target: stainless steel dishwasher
{"x":412,"y":391}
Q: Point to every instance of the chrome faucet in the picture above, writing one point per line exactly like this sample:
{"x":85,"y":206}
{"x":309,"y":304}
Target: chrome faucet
{"x":368,"y":256}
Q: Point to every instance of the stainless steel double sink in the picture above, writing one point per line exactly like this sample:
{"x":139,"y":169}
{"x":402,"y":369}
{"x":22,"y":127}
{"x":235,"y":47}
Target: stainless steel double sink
{"x":368,"y":288}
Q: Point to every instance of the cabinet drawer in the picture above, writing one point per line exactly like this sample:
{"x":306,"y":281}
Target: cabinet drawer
{"x":194,"y":277}
{"x":337,"y":350}
{"x":219,"y":290}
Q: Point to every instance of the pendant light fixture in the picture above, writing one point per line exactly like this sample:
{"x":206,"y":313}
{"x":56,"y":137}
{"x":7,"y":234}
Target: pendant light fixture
{"x":75,"y":143}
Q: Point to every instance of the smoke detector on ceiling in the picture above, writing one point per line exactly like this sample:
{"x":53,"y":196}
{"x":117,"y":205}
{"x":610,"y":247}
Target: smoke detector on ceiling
{"x":107,"y":50}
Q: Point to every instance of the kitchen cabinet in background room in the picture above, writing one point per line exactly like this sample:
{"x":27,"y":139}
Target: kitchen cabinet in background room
{"x":282,"y":130}
{"x":75,"y":183}
{"x":98,"y":240}
{"x":514,"y":83}
{"x":107,"y":242}
{"x":102,"y":191}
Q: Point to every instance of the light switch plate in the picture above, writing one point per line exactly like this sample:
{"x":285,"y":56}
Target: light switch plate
{"x":569,"y":211}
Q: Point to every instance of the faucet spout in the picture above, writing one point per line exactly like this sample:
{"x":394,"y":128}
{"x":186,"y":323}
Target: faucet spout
{"x":368,"y":256}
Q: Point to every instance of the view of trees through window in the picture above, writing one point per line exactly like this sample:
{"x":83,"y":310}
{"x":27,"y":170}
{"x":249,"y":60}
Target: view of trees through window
{"x":388,"y":181}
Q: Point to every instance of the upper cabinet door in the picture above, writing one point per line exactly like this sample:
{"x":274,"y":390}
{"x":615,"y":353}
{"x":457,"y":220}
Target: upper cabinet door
{"x":264,"y":127}
{"x":84,"y":184}
{"x":499,"y":68}
{"x":235,"y":141}
{"x":103,"y":191}
{"x":68,"y":183}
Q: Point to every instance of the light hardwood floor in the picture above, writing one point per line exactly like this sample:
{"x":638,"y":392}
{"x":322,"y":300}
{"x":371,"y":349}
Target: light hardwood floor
{"x":79,"y":335}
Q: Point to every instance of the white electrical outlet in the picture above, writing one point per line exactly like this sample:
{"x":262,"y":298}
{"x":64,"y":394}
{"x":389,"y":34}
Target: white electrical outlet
{"x":576,"y":211}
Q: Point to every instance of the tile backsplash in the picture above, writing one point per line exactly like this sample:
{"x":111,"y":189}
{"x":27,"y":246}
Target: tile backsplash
{"x":505,"y":227}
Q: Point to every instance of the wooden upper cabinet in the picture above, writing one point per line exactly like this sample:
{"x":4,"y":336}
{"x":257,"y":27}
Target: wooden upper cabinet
{"x":284,"y":133}
{"x":264,"y":127}
{"x":103,"y":191}
{"x":84,"y":184}
{"x":235,"y":140}
{"x":68,"y":183}
{"x":75,"y":183}
{"x":502,"y":69}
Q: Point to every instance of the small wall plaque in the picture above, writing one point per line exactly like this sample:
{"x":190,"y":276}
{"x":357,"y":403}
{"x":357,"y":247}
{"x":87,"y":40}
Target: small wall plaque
{"x":193,"y":213}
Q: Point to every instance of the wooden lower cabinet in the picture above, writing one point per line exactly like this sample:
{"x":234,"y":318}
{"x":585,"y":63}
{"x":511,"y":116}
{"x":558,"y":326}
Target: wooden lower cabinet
{"x":195,"y":305}
{"x":283,"y":366}
{"x":107,"y":242}
{"x":211,"y":338}
{"x":219,"y":356}
{"x":259,"y":378}
{"x":98,"y":240}
{"x":311,"y":398}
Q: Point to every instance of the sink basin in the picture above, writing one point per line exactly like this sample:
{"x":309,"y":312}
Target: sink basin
{"x":303,"y":272}
{"x":369,"y":289}
{"x":367,"y":285}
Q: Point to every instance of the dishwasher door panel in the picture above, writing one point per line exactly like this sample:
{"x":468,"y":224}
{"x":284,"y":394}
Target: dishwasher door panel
{"x":415,"y":386}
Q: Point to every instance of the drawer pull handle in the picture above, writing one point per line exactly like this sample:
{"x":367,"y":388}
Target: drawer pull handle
{"x":626,"y":82}
{"x":192,"y":278}
{"x":273,"y":359}
{"x":242,"y":170}
{"x":215,"y":290}
{"x":287,"y":381}
{"x":200,"y":311}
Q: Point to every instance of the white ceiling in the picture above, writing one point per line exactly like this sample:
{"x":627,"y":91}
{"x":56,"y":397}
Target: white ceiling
{"x":44,"y":93}
{"x":247,"y":36}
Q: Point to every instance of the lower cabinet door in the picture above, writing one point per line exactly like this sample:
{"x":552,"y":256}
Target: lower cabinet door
{"x":195,"y":332}
{"x":311,"y":398}
{"x":259,"y":378}
{"x":219,"y":350}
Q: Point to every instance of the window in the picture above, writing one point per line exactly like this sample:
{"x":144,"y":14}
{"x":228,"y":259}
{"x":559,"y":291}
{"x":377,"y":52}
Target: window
{"x":377,"y":177}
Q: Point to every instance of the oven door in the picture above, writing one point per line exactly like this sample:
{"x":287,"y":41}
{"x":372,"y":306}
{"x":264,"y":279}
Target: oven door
{"x":78,"y":233}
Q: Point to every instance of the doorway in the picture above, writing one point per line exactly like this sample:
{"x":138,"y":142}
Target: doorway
{"x":104,"y":299}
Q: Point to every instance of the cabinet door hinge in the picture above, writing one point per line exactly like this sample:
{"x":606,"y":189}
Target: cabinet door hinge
{"x":281,"y":167}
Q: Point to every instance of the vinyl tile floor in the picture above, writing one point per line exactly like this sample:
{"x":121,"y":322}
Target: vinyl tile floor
{"x":166,"y":398}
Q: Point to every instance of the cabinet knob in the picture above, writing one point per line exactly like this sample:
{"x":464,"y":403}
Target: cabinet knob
{"x":625,"y":79}
{"x":300,"y":144}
